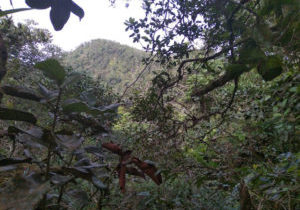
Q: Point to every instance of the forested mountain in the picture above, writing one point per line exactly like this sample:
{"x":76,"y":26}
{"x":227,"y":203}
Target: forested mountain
{"x":115,"y":63}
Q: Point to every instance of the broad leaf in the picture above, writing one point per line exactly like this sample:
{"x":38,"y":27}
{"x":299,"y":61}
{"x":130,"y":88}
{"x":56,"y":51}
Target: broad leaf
{"x":270,"y":68}
{"x":35,"y":137}
{"x":69,"y":142}
{"x":76,"y":10}
{"x":20,"y":92}
{"x":98,"y":183}
{"x":12,"y":161}
{"x":77,"y":106}
{"x":25,"y":193}
{"x":148,"y":169}
{"x":60,"y":13}
{"x":39,"y":4}
{"x":94,"y":150}
{"x":74,"y":105}
{"x":250,"y":53}
{"x":60,"y":179}
{"x":48,"y":94}
{"x":110,"y":108}
{"x":13,"y":114}
{"x":114,"y":148}
{"x":71,"y":79}
{"x":52,"y":69}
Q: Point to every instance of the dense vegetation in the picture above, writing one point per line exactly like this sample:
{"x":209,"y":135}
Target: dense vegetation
{"x":114,"y":63}
{"x":219,"y":122}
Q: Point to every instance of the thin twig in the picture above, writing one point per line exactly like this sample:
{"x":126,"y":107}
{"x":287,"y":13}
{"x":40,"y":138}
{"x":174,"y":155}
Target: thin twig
{"x":146,"y":67}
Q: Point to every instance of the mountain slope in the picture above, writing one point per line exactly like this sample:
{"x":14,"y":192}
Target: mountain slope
{"x":115,"y":63}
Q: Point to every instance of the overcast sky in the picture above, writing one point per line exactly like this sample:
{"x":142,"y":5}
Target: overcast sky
{"x":101,"y":21}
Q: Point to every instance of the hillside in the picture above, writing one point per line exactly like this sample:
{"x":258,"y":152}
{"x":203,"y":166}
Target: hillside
{"x":115,"y":63}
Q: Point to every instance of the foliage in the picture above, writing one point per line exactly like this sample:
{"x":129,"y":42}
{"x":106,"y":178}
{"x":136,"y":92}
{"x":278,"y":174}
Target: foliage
{"x":220,"y":121}
{"x":117,"y":64}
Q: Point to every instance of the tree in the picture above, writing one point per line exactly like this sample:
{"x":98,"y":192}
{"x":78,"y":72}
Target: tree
{"x":237,"y":37}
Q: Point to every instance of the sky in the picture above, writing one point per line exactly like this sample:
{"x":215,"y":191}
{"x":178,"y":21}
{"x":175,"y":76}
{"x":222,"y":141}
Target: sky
{"x":101,"y":20}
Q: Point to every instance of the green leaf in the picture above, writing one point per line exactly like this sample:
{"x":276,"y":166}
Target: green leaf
{"x":11,"y":11}
{"x":251,"y":54}
{"x":235,"y":70}
{"x":146,"y":193}
{"x":13,"y":114}
{"x":74,"y":105}
{"x":98,"y":183}
{"x":270,"y":68}
{"x":47,"y":94}
{"x":33,"y":137}
{"x":52,"y":69}
{"x":20,"y":92}
{"x":71,"y":79}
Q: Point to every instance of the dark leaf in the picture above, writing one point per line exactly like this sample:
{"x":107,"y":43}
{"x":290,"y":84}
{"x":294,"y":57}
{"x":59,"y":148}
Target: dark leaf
{"x":60,"y":179}
{"x":12,"y":161}
{"x":60,"y":13}
{"x":52,"y":69}
{"x":25,"y":193}
{"x":89,"y":122}
{"x":20,"y":92}
{"x":77,"y":10}
{"x":64,"y":132}
{"x":82,"y":162}
{"x":33,"y":136}
{"x":94,"y":150}
{"x":13,"y":114}
{"x":39,"y":4}
{"x":69,"y":142}
{"x":270,"y":68}
{"x":78,"y":172}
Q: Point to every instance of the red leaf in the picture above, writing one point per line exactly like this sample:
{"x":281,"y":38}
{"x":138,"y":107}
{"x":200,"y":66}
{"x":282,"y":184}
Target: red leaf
{"x":125,"y":157}
{"x":148,"y":169}
{"x":122,"y":180}
{"x":114,"y":148}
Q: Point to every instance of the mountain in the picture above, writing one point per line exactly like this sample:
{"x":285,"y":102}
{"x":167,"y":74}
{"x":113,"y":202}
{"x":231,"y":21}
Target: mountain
{"x":115,"y":63}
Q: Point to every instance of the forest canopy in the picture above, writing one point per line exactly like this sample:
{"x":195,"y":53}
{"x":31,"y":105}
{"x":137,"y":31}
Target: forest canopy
{"x":216,"y":126}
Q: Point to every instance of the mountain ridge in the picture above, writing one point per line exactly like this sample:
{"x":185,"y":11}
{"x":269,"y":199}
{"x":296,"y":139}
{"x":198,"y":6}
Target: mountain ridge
{"x":115,"y":63}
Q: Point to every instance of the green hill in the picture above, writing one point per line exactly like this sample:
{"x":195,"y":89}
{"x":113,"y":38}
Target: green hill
{"x":115,"y":63}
